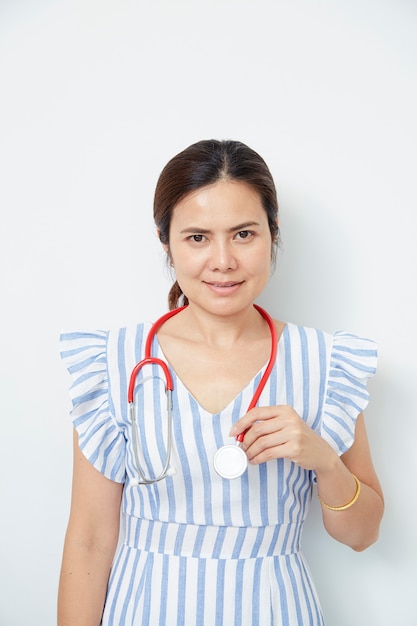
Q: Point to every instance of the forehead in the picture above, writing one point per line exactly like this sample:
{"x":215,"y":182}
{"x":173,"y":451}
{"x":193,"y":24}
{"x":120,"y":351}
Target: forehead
{"x":224,"y":200}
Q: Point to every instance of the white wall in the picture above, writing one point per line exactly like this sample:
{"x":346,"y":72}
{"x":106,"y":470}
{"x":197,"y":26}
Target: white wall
{"x":95,"y":97}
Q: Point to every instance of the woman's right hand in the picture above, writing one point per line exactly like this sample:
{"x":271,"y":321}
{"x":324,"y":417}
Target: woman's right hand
{"x":90,"y":543}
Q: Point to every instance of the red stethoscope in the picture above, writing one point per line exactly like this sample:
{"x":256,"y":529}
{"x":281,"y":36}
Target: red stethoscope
{"x":230,"y":461}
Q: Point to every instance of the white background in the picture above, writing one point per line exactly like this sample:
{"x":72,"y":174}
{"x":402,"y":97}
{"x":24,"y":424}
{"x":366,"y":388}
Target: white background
{"x":95,"y":97}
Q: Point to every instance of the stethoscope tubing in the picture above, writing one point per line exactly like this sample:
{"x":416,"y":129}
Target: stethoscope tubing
{"x":269,"y":367}
{"x":169,"y":387}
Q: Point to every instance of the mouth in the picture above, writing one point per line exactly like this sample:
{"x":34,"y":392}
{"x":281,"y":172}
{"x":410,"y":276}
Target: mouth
{"x":227,"y":285}
{"x":224,"y":288}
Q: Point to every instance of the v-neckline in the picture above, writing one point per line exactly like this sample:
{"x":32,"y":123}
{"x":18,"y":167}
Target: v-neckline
{"x":228,"y":406}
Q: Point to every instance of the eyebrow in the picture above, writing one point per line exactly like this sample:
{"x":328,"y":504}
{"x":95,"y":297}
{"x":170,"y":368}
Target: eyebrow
{"x":207,"y":231}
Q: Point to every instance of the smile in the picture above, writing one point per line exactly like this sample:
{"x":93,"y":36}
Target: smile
{"x":224,"y":285}
{"x":225,"y":288}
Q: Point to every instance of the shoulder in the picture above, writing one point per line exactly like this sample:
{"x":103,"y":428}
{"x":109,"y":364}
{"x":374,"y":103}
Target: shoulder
{"x":340,"y":348}
{"x":97,"y":337}
{"x":295,"y":335}
{"x":338,"y":337}
{"x":86,"y":351}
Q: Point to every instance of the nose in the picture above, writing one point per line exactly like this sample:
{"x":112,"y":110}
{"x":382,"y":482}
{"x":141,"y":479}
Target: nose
{"x":222,"y":257}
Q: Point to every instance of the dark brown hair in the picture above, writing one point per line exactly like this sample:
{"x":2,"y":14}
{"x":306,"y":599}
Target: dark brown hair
{"x":204,"y":163}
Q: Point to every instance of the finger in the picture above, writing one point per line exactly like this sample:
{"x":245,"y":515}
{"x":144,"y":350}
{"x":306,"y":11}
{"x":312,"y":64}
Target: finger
{"x":268,"y":454}
{"x":264,"y":430}
{"x":254,"y":415}
{"x":267,"y":445}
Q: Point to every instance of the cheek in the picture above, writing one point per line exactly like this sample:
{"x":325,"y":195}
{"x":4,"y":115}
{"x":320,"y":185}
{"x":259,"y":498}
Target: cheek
{"x":187,"y":262}
{"x":261,"y":262}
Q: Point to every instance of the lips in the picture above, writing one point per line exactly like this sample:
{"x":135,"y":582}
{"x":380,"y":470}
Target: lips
{"x":222,"y":285}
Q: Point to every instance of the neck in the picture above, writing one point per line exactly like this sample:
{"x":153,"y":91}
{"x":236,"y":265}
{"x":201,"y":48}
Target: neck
{"x":223,"y":331}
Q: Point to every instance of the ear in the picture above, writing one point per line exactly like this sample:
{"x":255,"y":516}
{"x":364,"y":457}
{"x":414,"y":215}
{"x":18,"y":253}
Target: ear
{"x":164,"y":245}
{"x":276,"y":238}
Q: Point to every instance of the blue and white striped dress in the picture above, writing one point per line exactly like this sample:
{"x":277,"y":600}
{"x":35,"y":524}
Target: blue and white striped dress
{"x":197,"y":549}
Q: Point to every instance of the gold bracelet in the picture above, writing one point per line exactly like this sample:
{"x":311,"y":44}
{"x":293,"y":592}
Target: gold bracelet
{"x":349,"y":504}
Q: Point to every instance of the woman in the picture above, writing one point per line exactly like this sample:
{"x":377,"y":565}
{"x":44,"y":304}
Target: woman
{"x":198,"y":548}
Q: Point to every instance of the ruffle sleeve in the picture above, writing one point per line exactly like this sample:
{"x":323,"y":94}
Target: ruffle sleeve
{"x":101,"y":438}
{"x":352,"y":362}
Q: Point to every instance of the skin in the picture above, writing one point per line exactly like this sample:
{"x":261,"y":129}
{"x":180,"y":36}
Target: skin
{"x":90,"y":544}
{"x":220,"y":246}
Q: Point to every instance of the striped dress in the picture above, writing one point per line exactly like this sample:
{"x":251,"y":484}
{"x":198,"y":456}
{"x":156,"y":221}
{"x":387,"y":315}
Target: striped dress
{"x":196,"y":549}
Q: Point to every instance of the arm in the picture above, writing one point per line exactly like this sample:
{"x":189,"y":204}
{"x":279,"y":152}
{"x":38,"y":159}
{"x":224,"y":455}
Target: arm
{"x":278,"y":432}
{"x":90,"y":543}
{"x":358,"y":526}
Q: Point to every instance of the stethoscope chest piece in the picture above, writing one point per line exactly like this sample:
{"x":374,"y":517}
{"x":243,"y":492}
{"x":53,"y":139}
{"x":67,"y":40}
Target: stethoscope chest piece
{"x":230,"y":461}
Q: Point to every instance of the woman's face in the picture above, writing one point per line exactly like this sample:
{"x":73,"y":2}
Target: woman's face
{"x":220,"y":245}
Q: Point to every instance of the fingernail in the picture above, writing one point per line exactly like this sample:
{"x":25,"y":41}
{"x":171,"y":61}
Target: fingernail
{"x":233,"y":431}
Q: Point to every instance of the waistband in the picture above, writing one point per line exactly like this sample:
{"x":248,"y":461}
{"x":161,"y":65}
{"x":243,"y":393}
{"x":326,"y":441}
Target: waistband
{"x":211,"y":542}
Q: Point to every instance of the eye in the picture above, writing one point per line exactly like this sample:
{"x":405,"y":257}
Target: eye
{"x":197,"y":238}
{"x":244,"y":234}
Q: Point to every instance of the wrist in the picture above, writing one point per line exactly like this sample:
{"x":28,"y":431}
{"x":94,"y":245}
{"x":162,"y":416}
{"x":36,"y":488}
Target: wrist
{"x":351,"y":502}
{"x":329,"y":464}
